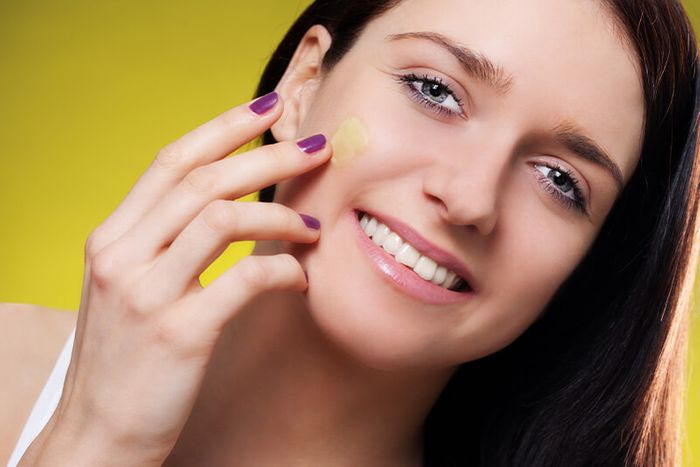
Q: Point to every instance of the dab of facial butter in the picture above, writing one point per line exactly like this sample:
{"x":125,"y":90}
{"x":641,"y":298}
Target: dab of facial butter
{"x":349,"y":141}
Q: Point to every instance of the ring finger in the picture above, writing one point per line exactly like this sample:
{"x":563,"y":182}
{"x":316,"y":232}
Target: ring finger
{"x":208,"y":235}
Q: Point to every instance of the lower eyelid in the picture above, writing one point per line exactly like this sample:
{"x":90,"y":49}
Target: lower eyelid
{"x":420,"y":99}
{"x":559,"y":196}
{"x":576,"y":179}
{"x":417,"y":97}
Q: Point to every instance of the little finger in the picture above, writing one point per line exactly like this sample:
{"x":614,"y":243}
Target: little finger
{"x":231,"y":291}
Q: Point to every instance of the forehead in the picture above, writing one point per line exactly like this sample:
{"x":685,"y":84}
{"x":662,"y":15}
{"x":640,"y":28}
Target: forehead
{"x":567,"y":59}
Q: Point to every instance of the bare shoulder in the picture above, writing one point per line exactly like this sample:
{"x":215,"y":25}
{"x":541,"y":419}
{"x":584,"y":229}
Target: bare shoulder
{"x":31,"y":338}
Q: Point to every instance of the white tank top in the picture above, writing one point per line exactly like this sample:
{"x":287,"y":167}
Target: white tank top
{"x":45,"y":406}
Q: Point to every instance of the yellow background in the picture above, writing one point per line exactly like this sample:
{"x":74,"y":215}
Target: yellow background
{"x":90,"y":90}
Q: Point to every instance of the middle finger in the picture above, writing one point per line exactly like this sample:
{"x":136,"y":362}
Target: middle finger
{"x":229,"y":178}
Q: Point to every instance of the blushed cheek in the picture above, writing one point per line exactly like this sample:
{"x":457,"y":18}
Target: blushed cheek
{"x":371,"y":145}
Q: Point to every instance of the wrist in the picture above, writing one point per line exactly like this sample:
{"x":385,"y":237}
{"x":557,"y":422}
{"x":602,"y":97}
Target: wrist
{"x":67,"y":444}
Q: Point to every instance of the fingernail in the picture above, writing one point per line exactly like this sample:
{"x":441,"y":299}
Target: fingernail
{"x":310,"y":221}
{"x":265,"y":103}
{"x":312,"y":144}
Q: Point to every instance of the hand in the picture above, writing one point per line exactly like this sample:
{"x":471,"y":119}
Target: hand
{"x":146,"y":327}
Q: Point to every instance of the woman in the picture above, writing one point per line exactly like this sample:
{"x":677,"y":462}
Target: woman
{"x":531,"y":161}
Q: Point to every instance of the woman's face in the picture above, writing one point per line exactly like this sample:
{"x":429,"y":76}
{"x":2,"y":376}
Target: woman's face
{"x":499,"y":135}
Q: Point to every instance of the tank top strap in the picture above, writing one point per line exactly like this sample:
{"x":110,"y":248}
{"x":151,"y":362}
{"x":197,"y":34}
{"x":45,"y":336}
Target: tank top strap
{"x":46,"y":404}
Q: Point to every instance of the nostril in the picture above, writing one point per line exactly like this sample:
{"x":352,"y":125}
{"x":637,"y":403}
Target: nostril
{"x":438,"y":203}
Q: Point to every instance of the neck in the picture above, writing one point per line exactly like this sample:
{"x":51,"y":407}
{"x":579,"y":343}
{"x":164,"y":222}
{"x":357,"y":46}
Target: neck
{"x":278,"y":392}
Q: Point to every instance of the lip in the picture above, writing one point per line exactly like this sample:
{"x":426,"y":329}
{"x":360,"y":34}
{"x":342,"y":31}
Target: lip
{"x":401,"y":276}
{"x":425,"y":247}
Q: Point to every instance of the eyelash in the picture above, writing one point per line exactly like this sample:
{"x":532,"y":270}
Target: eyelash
{"x":579,"y":203}
{"x":408,"y":80}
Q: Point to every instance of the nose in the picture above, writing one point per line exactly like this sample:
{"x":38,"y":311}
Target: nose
{"x":467,"y":194}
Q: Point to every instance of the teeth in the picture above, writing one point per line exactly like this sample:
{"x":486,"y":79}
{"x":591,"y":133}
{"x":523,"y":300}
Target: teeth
{"x":371,"y":226}
{"x":392,"y":244}
{"x":451,"y":279}
{"x":440,"y":275}
{"x":364,"y":221}
{"x":426,"y":268}
{"x":407,"y":255}
{"x":381,"y":234}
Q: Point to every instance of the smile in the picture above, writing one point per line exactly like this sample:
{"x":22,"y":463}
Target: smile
{"x":411,"y":263}
{"x":408,"y":255}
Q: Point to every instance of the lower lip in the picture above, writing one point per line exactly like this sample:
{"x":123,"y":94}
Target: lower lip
{"x":400,"y":276}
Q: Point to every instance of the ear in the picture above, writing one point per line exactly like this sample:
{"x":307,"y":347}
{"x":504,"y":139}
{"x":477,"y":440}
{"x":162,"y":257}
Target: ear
{"x":300,"y":81}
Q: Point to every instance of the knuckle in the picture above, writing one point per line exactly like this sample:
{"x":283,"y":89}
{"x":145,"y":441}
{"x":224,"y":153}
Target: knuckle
{"x":289,"y":219}
{"x":254,"y":272}
{"x":139,"y":304}
{"x":200,"y":180}
{"x":280,"y":153}
{"x":231,"y":119}
{"x":176,"y":336}
{"x":170,"y":156}
{"x":95,"y":242}
{"x":168,"y":333}
{"x":289,"y":262}
{"x":217,"y":216}
{"x":104,"y":269}
{"x":292,"y":273}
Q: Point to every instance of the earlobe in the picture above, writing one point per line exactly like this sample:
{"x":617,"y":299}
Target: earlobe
{"x":300,"y":81}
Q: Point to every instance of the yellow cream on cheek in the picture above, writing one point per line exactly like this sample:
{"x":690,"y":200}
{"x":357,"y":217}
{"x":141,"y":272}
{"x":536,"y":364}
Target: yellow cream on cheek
{"x":349,"y":141}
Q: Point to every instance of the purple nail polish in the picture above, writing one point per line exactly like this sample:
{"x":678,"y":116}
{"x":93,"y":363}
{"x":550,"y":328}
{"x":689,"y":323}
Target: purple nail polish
{"x":310,"y":221}
{"x":265,"y":103}
{"x":312,"y":144}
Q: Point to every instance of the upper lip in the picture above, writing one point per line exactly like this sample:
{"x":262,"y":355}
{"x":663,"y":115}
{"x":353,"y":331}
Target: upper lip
{"x":425,"y":247}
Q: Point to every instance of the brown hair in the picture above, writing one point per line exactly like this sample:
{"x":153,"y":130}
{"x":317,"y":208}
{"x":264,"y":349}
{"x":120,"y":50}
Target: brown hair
{"x":599,"y":380}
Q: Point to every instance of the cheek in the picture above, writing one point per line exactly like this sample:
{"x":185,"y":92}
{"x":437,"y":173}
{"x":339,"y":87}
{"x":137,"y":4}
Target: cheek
{"x":537,"y":254}
{"x":349,"y":141}
{"x":541,"y":263}
{"x":377,"y":143}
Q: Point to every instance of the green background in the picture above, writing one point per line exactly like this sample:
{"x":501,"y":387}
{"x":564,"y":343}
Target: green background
{"x":89,"y":91}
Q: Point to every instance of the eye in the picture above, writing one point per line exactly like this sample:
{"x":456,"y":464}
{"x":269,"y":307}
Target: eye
{"x":562,"y":185}
{"x":432,"y":93}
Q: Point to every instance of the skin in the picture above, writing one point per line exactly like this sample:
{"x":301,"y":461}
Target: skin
{"x":467,"y":185}
{"x":261,"y":370}
{"x":349,"y":141}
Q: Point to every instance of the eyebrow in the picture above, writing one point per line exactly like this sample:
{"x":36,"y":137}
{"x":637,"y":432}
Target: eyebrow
{"x":584,"y":147}
{"x":494,"y":76}
{"x":474,"y":63}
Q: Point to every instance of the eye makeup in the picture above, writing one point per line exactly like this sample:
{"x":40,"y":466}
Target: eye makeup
{"x":437,"y":96}
{"x":433,"y":93}
{"x":562,"y":185}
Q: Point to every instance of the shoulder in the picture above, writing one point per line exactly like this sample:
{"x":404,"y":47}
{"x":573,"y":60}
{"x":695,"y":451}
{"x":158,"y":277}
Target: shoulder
{"x":27,"y":320}
{"x":31,"y":338}
{"x":32,"y":334}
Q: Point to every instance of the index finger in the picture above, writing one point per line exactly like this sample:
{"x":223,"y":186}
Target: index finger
{"x":207,"y":143}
